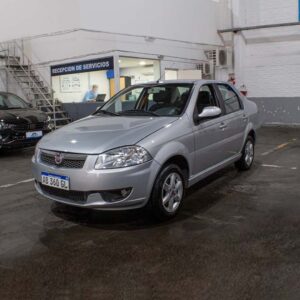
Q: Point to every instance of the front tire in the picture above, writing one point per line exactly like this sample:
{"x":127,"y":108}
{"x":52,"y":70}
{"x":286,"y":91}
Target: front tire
{"x":247,"y":158}
{"x":168,"y":193}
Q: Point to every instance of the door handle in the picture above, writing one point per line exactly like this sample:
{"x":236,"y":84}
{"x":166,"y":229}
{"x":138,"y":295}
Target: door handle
{"x":222,"y":126}
{"x":245,"y":118}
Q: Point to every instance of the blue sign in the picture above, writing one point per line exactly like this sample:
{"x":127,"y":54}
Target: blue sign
{"x":83,"y":66}
{"x":110,"y":74}
{"x":298,"y":10}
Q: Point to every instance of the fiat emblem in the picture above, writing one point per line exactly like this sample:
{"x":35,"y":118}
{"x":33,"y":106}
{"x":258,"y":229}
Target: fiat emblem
{"x":58,"y":158}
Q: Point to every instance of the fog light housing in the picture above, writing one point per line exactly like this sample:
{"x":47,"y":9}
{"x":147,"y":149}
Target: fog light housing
{"x":116,"y":195}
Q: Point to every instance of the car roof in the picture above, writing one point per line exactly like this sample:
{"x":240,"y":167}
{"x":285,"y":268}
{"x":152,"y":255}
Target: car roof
{"x":178,"y":81}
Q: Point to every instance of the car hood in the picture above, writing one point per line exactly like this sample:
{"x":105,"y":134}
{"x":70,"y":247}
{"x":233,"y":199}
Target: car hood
{"x":97,"y":134}
{"x":18,"y":116}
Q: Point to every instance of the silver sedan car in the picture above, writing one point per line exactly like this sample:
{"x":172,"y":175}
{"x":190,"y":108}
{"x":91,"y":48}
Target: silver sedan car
{"x":146,"y":145}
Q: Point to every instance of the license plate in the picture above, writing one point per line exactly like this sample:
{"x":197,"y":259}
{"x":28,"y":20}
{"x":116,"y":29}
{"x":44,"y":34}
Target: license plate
{"x":56,"y":181}
{"x":34,"y":134}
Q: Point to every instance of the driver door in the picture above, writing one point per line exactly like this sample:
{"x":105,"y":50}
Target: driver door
{"x":208,"y":133}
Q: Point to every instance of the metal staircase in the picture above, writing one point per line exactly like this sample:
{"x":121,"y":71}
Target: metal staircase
{"x":31,"y":81}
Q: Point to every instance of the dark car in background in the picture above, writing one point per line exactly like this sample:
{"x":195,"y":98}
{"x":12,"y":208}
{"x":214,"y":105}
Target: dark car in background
{"x":20,"y":124}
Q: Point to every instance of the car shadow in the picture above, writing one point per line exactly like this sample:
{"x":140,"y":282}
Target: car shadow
{"x":199,"y":198}
{"x":16,"y":153}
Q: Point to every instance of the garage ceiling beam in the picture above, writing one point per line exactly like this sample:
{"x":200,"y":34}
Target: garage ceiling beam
{"x":239,"y":29}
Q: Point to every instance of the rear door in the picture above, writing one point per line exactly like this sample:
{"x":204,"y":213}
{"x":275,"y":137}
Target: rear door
{"x":234,"y":121}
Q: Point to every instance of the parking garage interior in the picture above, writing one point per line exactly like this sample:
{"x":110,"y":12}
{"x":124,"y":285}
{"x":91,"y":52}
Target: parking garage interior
{"x":236,"y":235}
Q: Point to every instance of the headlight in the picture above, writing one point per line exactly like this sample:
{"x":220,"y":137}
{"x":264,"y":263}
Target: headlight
{"x":4,"y":126}
{"x":122,"y":157}
{"x":49,"y":123}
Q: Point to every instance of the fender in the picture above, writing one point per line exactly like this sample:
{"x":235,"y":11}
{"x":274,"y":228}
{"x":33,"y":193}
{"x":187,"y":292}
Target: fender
{"x":171,"y":149}
{"x":249,"y":127}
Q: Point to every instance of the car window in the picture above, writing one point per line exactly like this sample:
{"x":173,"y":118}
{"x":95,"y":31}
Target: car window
{"x":13,"y":101}
{"x":2,"y":102}
{"x":230,"y":98}
{"x":205,"y":98}
{"x":155,"y":100}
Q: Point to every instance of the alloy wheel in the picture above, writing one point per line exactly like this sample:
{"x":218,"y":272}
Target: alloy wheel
{"x":172,"y":192}
{"x":249,"y":153}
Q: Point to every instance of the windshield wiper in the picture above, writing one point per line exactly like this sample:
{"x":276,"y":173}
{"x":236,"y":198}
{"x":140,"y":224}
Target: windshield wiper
{"x":105,"y":112}
{"x":138,"y":112}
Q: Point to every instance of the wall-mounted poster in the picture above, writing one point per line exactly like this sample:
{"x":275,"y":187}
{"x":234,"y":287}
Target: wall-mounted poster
{"x":70,"y":84}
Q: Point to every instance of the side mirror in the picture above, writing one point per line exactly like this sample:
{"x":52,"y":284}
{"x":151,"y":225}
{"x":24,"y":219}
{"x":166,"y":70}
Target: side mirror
{"x":210,"y":112}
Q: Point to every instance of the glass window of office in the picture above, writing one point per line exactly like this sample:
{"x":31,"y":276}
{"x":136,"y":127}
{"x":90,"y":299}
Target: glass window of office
{"x":73,"y":87}
{"x":138,"y":70}
{"x":74,"y":82}
{"x":71,"y":82}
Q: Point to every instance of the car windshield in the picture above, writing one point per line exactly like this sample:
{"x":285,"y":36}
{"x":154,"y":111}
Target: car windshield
{"x":149,"y":100}
{"x":9,"y":101}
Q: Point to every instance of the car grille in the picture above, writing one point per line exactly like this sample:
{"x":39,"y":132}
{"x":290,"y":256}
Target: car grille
{"x":30,"y":126}
{"x":70,"y":161}
{"x":75,"y":196}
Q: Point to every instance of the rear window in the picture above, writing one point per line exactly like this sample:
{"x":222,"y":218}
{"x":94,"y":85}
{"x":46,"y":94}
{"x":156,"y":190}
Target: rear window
{"x":230,"y":98}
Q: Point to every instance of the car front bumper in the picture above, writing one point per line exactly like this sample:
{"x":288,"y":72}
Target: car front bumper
{"x":18,"y":140}
{"x":87,"y":184}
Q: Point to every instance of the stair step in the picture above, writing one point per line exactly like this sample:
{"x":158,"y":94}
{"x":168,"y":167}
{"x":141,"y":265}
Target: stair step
{"x":62,"y":119}
{"x":30,"y":87}
{"x":49,"y":106}
{"x":30,"y":83}
{"x":40,"y":93}
{"x":17,"y":66}
{"x":56,"y":112}
{"x":10,"y":57}
{"x":21,"y":71}
{"x":32,"y":77}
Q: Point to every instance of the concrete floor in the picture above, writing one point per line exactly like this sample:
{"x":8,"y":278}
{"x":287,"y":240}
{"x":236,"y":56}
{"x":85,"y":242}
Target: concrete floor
{"x":238,"y":237}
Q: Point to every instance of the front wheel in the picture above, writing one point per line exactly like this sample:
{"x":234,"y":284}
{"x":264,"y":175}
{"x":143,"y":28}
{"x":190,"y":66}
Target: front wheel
{"x":168,"y":192}
{"x":247,"y":158}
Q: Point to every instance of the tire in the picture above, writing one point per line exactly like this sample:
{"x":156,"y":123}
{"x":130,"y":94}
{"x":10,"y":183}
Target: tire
{"x":165,"y":202}
{"x":248,"y":153}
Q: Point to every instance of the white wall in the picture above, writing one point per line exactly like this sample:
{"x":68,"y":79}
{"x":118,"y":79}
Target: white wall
{"x":259,"y":12}
{"x":268,"y":61}
{"x":21,"y":18}
{"x":192,"y":20}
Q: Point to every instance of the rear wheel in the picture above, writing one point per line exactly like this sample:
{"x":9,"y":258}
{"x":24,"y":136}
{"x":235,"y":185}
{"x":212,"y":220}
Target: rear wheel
{"x":247,"y":158}
{"x":168,"y":192}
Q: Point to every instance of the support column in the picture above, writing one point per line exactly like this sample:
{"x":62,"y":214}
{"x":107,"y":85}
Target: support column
{"x":117,"y":72}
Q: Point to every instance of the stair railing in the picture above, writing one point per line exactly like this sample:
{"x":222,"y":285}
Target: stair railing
{"x":14,"y":51}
